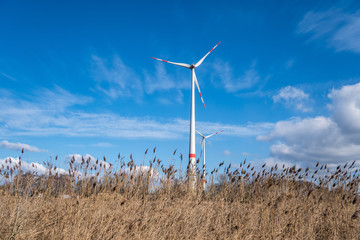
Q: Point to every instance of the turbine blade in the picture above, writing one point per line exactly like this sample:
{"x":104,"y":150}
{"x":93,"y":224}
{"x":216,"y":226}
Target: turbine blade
{"x":213,"y":134}
{"x":201,"y":60}
{"x":197,"y":84}
{"x":199,"y":133}
{"x":179,"y":64}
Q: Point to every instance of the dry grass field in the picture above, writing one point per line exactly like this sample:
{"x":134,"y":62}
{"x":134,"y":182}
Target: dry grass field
{"x":276,"y":203}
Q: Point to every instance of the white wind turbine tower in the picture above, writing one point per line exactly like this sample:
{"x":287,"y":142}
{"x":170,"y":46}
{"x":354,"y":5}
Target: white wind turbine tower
{"x":192,"y":111}
{"x":203,"y":152}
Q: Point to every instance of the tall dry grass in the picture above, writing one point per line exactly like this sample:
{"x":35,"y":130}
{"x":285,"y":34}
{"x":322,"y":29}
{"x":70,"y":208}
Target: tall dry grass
{"x":123,"y":203}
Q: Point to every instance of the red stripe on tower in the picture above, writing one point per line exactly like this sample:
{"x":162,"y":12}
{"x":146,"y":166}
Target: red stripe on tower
{"x":192,"y":155}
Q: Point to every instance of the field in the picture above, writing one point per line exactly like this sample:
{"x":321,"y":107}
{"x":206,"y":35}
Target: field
{"x":245,"y":203}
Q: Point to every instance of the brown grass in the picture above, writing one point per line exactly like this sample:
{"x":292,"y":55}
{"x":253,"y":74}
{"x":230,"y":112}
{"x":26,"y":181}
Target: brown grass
{"x":278,"y":203}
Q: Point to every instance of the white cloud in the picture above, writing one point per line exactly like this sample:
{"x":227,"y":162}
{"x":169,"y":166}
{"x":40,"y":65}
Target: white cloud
{"x":87,"y":160}
{"x":116,"y":79}
{"x":78,"y":160}
{"x":332,"y":139}
{"x":271,"y":162}
{"x":234,"y":84}
{"x":346,"y":108}
{"x":290,"y":92}
{"x":227,"y":152}
{"x":19,"y":146}
{"x":340,"y":29}
{"x":137,"y":170}
{"x":293,"y":97}
{"x":310,"y":139}
{"x":39,"y":169}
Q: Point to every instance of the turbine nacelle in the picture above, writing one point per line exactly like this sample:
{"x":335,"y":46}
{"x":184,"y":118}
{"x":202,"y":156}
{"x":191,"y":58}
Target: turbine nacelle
{"x":192,"y":66}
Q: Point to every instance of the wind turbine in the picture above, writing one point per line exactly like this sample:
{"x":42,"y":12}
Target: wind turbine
{"x":203,"y":152}
{"x":192,"y":109}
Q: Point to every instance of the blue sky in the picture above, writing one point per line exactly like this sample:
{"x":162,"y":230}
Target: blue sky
{"x":76,"y":77}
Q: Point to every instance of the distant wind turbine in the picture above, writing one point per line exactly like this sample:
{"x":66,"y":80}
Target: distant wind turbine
{"x":203,"y":152}
{"x":192,"y":111}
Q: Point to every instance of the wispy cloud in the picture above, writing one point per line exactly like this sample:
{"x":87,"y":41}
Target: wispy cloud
{"x":46,"y":111}
{"x":58,"y":99}
{"x":116,"y":79}
{"x":19,"y":146}
{"x":340,"y":29}
{"x":249,"y":129}
{"x":293,"y":97}
{"x":227,"y":153}
{"x":162,"y":81}
{"x":102,"y":144}
{"x":22,"y":117}
{"x":290,"y":63}
{"x":246,"y":154}
{"x":233,"y":83}
{"x":171,"y":98}
{"x":8,"y":76}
